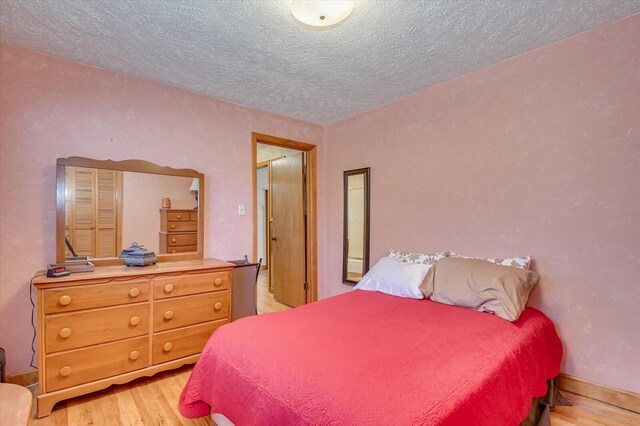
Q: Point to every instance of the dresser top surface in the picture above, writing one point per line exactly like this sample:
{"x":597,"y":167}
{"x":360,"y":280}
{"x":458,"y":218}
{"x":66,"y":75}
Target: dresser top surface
{"x":137,"y":271}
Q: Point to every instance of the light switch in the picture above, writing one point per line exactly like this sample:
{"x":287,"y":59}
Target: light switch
{"x":241,"y":210}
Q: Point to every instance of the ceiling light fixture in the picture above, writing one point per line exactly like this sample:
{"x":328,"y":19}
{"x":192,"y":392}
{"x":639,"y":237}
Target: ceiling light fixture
{"x":321,"y":13}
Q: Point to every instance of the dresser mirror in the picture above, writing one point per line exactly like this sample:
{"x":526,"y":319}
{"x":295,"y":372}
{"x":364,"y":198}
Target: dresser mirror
{"x":105,"y":206}
{"x":355,"y":256}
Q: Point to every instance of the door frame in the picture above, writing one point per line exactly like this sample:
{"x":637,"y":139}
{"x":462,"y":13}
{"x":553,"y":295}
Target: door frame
{"x":267,"y":214}
{"x":312,"y":216}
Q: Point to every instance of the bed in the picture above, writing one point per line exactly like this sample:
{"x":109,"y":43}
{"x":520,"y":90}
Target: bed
{"x":365,"y":358}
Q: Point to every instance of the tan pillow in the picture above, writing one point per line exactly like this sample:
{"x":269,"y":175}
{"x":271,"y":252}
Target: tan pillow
{"x":480,"y":285}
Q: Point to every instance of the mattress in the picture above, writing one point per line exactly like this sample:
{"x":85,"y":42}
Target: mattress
{"x":366,"y":358}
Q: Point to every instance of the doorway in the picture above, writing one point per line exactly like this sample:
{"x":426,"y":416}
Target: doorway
{"x":284,"y":216}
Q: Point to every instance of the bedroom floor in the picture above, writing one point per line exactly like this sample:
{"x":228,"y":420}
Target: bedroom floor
{"x":153,"y":401}
{"x":266,"y":302}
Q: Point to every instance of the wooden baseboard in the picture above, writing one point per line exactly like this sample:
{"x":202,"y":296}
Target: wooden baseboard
{"x":26,"y":378}
{"x":618,"y":397}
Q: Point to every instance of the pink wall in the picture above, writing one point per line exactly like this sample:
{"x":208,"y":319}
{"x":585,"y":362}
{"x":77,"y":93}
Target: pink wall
{"x":52,"y":108}
{"x":537,"y":155}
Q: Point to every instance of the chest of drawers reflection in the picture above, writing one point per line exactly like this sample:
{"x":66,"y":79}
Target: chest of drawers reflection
{"x":116,"y":324}
{"x":178,"y":230}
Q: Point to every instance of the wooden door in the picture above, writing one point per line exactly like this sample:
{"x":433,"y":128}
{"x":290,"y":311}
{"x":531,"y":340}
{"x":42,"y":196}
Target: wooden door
{"x":267,"y":229}
{"x":80,"y":210}
{"x":108,"y":239}
{"x":288,"y":242}
{"x":92,"y":211}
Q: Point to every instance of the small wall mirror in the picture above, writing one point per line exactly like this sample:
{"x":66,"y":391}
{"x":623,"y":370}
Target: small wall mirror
{"x":104,"y":206}
{"x":355,"y":256}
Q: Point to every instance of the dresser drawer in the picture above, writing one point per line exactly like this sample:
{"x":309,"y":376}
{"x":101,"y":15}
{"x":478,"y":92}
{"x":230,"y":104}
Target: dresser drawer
{"x":95,"y":296}
{"x":182,"y":342}
{"x":182,"y":311}
{"x":182,"y":285}
{"x":96,"y":362}
{"x":182,"y":240}
{"x":178,"y":216}
{"x":84,"y":328}
{"x":181,"y":249}
{"x":181,"y":226}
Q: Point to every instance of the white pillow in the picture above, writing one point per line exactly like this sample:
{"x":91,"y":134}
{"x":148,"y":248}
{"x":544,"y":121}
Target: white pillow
{"x":395,"y":277}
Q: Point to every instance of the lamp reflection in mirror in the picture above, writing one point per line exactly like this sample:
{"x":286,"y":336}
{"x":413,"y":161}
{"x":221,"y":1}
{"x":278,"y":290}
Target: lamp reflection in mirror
{"x":195,"y":186}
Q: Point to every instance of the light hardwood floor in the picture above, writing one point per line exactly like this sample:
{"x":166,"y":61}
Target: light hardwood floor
{"x":266,"y":302}
{"x":143,"y":402}
{"x":154,"y":401}
{"x":589,"y":412}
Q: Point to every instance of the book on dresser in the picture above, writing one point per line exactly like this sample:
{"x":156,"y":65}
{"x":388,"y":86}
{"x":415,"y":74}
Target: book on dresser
{"x":178,"y":230}
{"x":118,"y":323}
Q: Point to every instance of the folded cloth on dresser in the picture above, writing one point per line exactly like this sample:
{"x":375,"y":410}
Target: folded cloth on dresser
{"x":367,"y":358}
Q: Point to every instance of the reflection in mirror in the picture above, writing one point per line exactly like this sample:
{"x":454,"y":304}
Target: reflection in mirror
{"x":93,"y":206}
{"x":106,"y":210}
{"x":102,"y":206}
{"x":356,"y":225}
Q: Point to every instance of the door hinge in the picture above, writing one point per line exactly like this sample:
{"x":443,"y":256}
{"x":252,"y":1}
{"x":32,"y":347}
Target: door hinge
{"x":306,"y":286}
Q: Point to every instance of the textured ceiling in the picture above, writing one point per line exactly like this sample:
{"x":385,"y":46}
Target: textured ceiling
{"x":254,"y":53}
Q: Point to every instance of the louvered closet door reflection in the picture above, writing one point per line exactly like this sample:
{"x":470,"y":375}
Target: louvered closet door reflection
{"x":107,"y":213}
{"x":80,"y":205}
{"x":92,"y":211}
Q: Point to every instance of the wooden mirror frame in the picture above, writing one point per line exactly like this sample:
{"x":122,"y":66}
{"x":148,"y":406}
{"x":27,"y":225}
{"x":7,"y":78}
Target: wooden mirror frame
{"x":345,"y":240}
{"x":139,"y":166}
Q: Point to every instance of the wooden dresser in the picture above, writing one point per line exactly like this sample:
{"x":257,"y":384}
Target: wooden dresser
{"x":178,"y":230}
{"x":119,"y":323}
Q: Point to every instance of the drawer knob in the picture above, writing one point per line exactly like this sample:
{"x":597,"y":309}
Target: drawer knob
{"x":179,"y":216}
{"x":168,"y":288}
{"x":134,"y":292}
{"x":217,"y":306}
{"x":167,"y":347}
{"x":173,"y":227}
{"x":134,"y":320}
{"x":173,"y":240}
{"x":65,"y":332}
{"x":64,"y":300}
{"x":65,"y":371}
{"x":168,"y":315}
{"x":134,"y":355}
{"x":217,"y":282}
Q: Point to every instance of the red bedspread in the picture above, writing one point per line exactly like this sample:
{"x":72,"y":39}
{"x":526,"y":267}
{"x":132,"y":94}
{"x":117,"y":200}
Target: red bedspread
{"x":366,"y":358}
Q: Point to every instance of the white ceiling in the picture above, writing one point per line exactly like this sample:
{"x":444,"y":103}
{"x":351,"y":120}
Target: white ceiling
{"x":254,"y":53}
